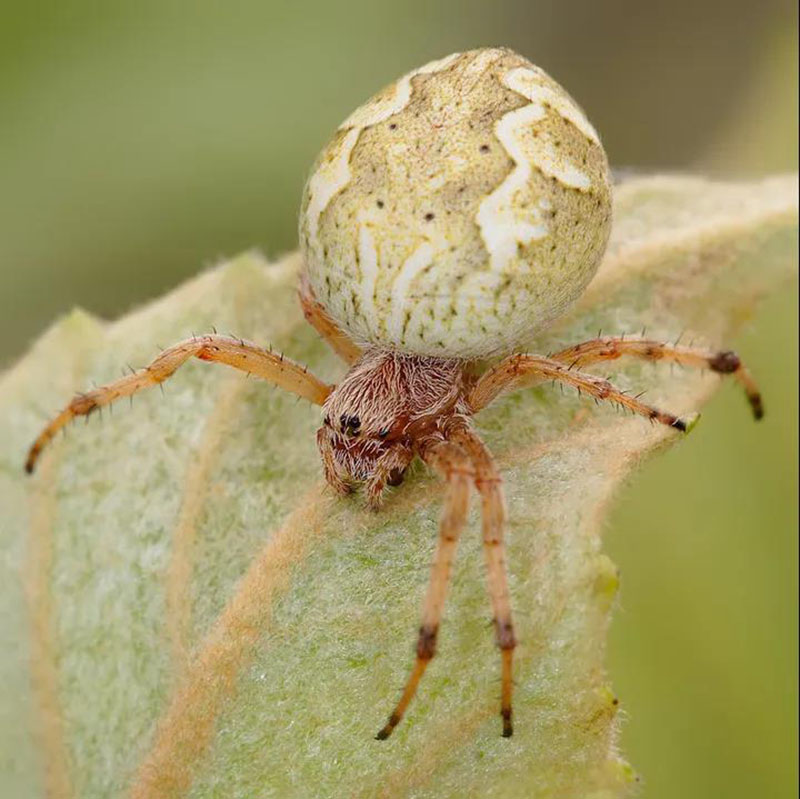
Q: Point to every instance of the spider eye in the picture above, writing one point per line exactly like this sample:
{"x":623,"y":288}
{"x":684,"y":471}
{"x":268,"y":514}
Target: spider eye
{"x":383,"y":433}
{"x":350,"y":425}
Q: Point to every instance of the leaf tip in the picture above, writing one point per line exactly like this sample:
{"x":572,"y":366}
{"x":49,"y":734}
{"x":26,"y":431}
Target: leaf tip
{"x":686,"y":423}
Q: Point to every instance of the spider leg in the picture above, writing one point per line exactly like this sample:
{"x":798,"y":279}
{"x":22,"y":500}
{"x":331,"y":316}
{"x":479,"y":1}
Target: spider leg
{"x":723,"y":362}
{"x":518,"y":371}
{"x":318,"y":318}
{"x":455,"y":467}
{"x":489,"y":485}
{"x":239,"y":354}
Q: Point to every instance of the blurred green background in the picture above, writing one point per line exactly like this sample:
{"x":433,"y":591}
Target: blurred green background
{"x":141,"y":141}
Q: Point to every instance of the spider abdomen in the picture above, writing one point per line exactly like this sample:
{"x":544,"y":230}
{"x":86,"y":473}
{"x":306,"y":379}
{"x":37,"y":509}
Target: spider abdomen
{"x":458,"y":210}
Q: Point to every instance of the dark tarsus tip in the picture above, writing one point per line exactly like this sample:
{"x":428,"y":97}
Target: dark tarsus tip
{"x":388,"y":729}
{"x":679,"y":424}
{"x":33,"y":457}
{"x":508,"y":727}
{"x":728,"y":362}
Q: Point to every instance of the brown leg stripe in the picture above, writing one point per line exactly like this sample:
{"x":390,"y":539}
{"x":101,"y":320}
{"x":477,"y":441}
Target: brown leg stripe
{"x":426,"y":644}
{"x":725,"y":362}
{"x":508,"y":727}
{"x":505,"y":635}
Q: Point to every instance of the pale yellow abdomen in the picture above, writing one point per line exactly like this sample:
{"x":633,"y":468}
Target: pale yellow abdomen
{"x":458,"y":210}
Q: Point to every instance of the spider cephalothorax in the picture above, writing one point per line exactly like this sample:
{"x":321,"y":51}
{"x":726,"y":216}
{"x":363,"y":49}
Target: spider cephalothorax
{"x":459,"y":209}
{"x":374,"y":419}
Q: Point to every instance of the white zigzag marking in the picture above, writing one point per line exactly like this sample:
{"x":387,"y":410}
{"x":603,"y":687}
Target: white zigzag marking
{"x":503,"y":223}
{"x":332,"y":176}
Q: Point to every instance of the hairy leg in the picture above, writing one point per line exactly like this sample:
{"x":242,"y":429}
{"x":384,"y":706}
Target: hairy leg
{"x":518,"y":371}
{"x":489,"y":485}
{"x":454,"y":466}
{"x":723,"y":362}
{"x":318,"y":318}
{"x":240,"y":354}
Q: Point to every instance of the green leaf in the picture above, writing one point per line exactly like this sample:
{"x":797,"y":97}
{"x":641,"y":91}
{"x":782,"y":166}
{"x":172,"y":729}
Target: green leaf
{"x":186,"y":610}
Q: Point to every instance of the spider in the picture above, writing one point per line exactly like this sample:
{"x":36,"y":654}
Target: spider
{"x":391,"y":407}
{"x":414,"y":379}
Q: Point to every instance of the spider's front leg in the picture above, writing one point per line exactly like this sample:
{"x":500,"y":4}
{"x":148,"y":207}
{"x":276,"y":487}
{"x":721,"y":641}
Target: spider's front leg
{"x":518,"y":371}
{"x":452,"y":463}
{"x":723,"y":362}
{"x":489,"y":485}
{"x":247,"y":357}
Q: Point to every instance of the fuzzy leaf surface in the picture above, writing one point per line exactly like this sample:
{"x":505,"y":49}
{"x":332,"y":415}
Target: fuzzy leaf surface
{"x":185,"y":609}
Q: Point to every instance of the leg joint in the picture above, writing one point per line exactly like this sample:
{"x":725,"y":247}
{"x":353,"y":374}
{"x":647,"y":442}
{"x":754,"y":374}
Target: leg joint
{"x":725,"y":362}
{"x":504,"y":632}
{"x":426,"y":643}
